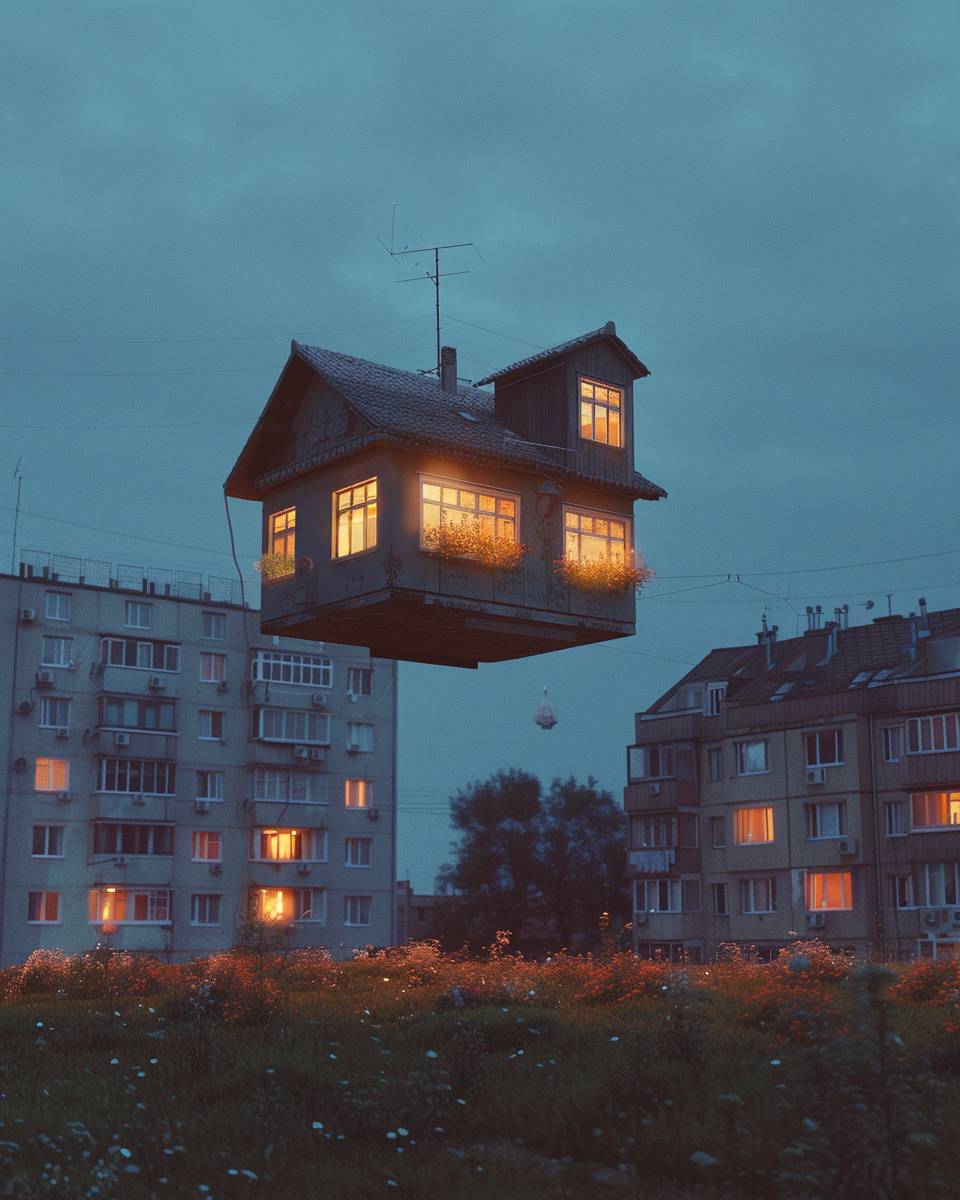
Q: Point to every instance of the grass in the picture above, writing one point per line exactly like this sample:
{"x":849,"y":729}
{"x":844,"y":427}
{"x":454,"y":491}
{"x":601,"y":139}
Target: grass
{"x":418,"y":1075}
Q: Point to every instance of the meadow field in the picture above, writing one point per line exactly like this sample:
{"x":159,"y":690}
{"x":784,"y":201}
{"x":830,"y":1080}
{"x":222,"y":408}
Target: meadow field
{"x":416,"y":1074}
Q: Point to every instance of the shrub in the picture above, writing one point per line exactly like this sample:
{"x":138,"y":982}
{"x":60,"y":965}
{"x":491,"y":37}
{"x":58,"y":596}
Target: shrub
{"x":272,"y":567}
{"x":468,"y":539}
{"x":605,"y":576}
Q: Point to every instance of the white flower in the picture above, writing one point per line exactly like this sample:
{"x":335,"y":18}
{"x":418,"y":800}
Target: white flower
{"x":318,"y":1125}
{"x":432,"y":1054}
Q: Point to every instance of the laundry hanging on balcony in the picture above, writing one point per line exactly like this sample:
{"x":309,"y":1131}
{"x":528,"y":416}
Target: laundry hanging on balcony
{"x":544,"y":716}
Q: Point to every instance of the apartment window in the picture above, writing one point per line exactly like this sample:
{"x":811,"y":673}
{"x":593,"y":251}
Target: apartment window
{"x":213,"y":626}
{"x":357,"y":793}
{"x":57,"y":606}
{"x":53,"y":713}
{"x":721,"y":901}
{"x":758,"y":895}
{"x":207,"y":845}
{"x":891,"y":737}
{"x":713,"y":699}
{"x":718,"y":832}
{"x":752,"y":826}
{"x":715,"y":762}
{"x":657,"y":895}
{"x":137,"y":777}
{"x":600,"y":408}
{"x":657,"y":831}
{"x":289,"y":904}
{"x":824,"y":748}
{"x":291,"y":725}
{"x":129,"y":906}
{"x":935,"y":810}
{"x":652,"y":762}
{"x":282,"y":534}
{"x":902,"y":893}
{"x":895,"y":814}
{"x":210,"y":785}
{"x":51,"y":775}
{"x":751,"y":758}
{"x":827,"y":819}
{"x":111,"y":837}
{"x":289,"y":787}
{"x":356,"y":910}
{"x":595,"y":537}
{"x":936,"y":884}
{"x":135,"y":652}
{"x":137,"y":614}
{"x":130,"y":712}
{"x":47,"y":841}
{"x":928,"y":735}
{"x":828,"y":890}
{"x":213,"y":667}
{"x":358,"y":852}
{"x":355,"y":513}
{"x":56,"y":651}
{"x":204,"y":909}
{"x":43,"y":908}
{"x":211,"y":724}
{"x":311,"y":904}
{"x":445,"y":503}
{"x":360,"y":736}
{"x":283,"y":666}
{"x":359,"y":681}
{"x":288,"y":845}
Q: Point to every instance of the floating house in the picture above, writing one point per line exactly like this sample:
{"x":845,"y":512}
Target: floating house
{"x":442,"y":523}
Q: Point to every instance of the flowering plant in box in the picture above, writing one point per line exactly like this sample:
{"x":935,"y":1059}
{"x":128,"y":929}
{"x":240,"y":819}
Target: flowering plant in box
{"x":274,"y":566}
{"x":603,"y":575}
{"x":468,"y":539}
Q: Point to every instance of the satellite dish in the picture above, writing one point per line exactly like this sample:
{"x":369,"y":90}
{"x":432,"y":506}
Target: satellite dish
{"x":544,"y":716}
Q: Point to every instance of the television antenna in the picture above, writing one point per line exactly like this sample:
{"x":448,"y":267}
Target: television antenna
{"x":18,"y":476}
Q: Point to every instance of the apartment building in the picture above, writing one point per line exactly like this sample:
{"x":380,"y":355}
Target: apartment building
{"x":171,"y":773}
{"x":808,"y":787}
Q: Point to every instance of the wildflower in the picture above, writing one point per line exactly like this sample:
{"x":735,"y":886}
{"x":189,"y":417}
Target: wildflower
{"x":391,"y":1134}
{"x":114,"y":1062}
{"x":154,"y":1061}
{"x":318,"y":1125}
{"x":431,"y":1054}
{"x":39,"y":1024}
{"x":615,"y":1038}
{"x":774,"y":1062}
{"x":401,"y":1132}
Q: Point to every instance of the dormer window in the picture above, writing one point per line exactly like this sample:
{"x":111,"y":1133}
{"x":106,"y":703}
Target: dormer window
{"x":600,"y":408}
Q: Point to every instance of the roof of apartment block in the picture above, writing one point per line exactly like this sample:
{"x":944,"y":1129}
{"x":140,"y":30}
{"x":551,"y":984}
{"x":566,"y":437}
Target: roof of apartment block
{"x":889,"y":648}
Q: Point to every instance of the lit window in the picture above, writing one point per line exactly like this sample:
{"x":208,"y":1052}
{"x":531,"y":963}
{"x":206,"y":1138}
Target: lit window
{"x":824,"y":748}
{"x":595,"y":537}
{"x":291,"y":725}
{"x":211,"y":724}
{"x":43,"y":908}
{"x":210,"y":785}
{"x":928,"y":735}
{"x":360,"y":736}
{"x":357,"y":793}
{"x":129,"y":906}
{"x":53,"y":713}
{"x":356,"y":910}
{"x":358,"y":852}
{"x":282,"y":534}
{"x":827,"y":819}
{"x":289,"y":904}
{"x":284,"y":666}
{"x":445,"y":503}
{"x":828,"y":890}
{"x":359,"y":681}
{"x":137,"y":614}
{"x":47,"y":841}
{"x":204,"y":909}
{"x":600,"y":408}
{"x":355,"y":512}
{"x":288,"y":845}
{"x":56,"y":652}
{"x":652,"y":762}
{"x":752,"y":826}
{"x":51,"y":775}
{"x":935,"y":810}
{"x":57,"y":606}
{"x":213,"y":667}
{"x":213,"y":625}
{"x":758,"y":895}
{"x":207,"y":845}
{"x":751,"y":758}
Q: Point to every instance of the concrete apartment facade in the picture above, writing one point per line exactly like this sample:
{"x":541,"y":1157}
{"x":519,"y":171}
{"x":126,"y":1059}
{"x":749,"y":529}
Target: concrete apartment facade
{"x":808,"y":787}
{"x":171,"y":773}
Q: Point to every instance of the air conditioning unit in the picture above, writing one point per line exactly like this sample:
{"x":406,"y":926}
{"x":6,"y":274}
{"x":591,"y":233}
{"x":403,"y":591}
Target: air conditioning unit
{"x":63,"y":734}
{"x":318,"y":754}
{"x":156,"y":684}
{"x":201,"y":806}
{"x":654,"y":789}
{"x":373,"y":814}
{"x":222,"y":686}
{"x":121,"y":739}
{"x":216,"y":868}
{"x":640,"y":918}
{"x":25,"y":708}
{"x":63,"y":797}
{"x":28,"y":615}
{"x":301,"y":752}
{"x":816,"y":920}
{"x":816,"y":775}
{"x":318,"y":700}
{"x":847,"y":847}
{"x":933,"y":916}
{"x":44,"y":679}
{"x":353,"y":748}
{"x":303,"y":868}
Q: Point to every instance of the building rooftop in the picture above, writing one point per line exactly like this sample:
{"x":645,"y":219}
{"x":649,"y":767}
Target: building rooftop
{"x":542,"y":357}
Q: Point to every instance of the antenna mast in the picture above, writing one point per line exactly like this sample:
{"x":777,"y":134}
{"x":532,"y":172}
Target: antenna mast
{"x":18,"y":475}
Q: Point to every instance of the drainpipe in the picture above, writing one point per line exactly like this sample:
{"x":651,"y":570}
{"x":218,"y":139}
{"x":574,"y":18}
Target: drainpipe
{"x":878,"y":874}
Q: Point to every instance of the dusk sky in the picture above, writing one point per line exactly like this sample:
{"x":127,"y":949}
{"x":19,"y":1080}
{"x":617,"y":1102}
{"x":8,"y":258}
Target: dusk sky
{"x":763,"y":196}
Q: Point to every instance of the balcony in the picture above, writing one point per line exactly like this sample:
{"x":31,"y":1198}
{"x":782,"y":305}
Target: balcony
{"x":116,"y":806}
{"x":658,"y":794}
{"x":671,"y":860}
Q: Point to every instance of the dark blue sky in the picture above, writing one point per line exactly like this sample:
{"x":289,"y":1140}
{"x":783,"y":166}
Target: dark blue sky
{"x":763,"y":196}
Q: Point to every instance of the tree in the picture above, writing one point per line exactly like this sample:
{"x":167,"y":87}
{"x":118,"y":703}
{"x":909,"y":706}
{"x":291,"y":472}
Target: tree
{"x":558,"y":861}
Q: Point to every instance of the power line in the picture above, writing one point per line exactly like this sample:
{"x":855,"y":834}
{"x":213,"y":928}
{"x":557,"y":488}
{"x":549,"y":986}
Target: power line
{"x":878,"y":562}
{"x":157,"y":425}
{"x":496,"y":332}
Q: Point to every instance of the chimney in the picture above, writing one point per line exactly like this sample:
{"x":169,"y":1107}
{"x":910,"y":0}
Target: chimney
{"x":924,"y":629}
{"x":448,"y":369}
{"x":833,"y":628}
{"x":766,"y":638}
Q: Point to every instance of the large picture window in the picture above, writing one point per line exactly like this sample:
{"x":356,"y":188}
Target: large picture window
{"x":291,"y":725}
{"x":600,"y":409}
{"x":137,"y":777}
{"x":285,"y":666}
{"x":288,"y":845}
{"x":935,"y":810}
{"x":129,"y":906}
{"x":288,"y":904}
{"x":828,"y":890}
{"x":447,"y":502}
{"x":355,"y":513}
{"x":127,"y":712}
{"x":595,"y":537}
{"x":928,"y":735}
{"x":752,"y":826}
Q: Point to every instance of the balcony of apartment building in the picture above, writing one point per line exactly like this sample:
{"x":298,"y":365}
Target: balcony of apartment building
{"x":664,"y":843}
{"x":660,"y":776}
{"x":287,"y":857}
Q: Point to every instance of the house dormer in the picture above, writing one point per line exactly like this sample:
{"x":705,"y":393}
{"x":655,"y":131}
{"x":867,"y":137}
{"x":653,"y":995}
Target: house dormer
{"x":576,"y":398}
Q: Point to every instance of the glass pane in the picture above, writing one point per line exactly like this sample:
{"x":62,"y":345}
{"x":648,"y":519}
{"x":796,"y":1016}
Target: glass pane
{"x":430,"y":491}
{"x":586,"y":419}
{"x":487,"y":503}
{"x":614,"y":428}
{"x":468,"y":499}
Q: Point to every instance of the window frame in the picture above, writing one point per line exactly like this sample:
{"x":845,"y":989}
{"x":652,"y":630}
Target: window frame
{"x":809,"y":892}
{"x":337,"y":512}
{"x":749,"y":895}
{"x":814,"y":822}
{"x":217,"y":717}
{"x":61,"y":597}
{"x":892,"y":742}
{"x":307,"y":844}
{"x":201,"y":838}
{"x":267,"y":713}
{"x":365,"y":677}
{"x":208,"y":778}
{"x":360,"y":902}
{"x":915,"y":726}
{"x":476,"y":513}
{"x":46,"y":852}
{"x":214,"y":660}
{"x":131,"y":895}
{"x":201,"y":900}
{"x":720,"y":890}
{"x":124,"y":830}
{"x":214,"y":619}
{"x":288,"y":779}
{"x":352,"y":738}
{"x":43,"y":898}
{"x":666,"y":761}
{"x":59,"y":642}
{"x":596,"y":514}
{"x":54,"y":762}
{"x":668,"y":889}
{"x":284,"y":537}
{"x":813,"y":743}
{"x":165,"y":657}
{"x":108,"y":765}
{"x":743,"y":756}
{"x":131,"y":607}
{"x":144,"y":704}
{"x":53,"y":703}
{"x":948,"y":799}
{"x":365,"y":845}
{"x":594,"y":403}
{"x":361,"y":789}
{"x":768,"y":821}
{"x":269,"y":666}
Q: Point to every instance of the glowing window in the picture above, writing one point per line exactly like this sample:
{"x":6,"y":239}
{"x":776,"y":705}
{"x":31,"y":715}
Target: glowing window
{"x":446,"y":502}
{"x":600,"y":408}
{"x":288,"y":845}
{"x":282,"y":534}
{"x":595,"y":537}
{"x":51,"y":775}
{"x":357,"y":793}
{"x":355,"y":512}
{"x":935,"y":810}
{"x":129,"y":906}
{"x":288,"y":904}
{"x":828,"y":890}
{"x":752,"y":826}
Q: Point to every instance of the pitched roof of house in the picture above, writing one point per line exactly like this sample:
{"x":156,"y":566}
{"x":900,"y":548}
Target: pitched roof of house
{"x":539,"y":359}
{"x":407,"y":408}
